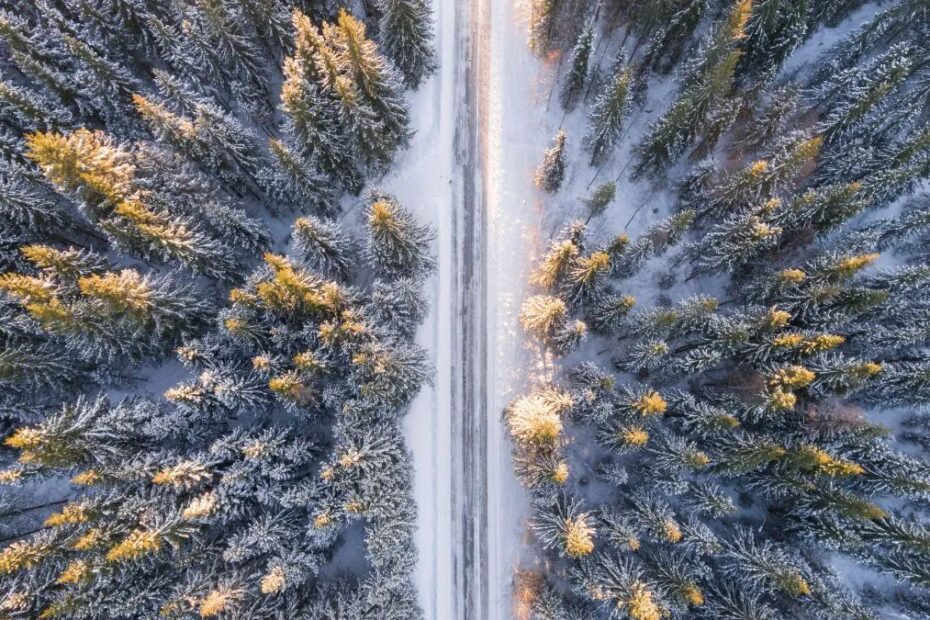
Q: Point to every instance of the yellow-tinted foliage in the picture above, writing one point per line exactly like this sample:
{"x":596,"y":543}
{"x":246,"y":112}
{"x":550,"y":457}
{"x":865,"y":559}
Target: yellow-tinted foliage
{"x":850,"y":265}
{"x":308,"y":362}
{"x":10,"y":476}
{"x":780,"y":400}
{"x":70,"y":514}
{"x":641,"y":605}
{"x":200,"y":507}
{"x":293,"y":290}
{"x":218,"y":601}
{"x":183,"y":475}
{"x":537,"y":418}
{"x":619,"y":244}
{"x":808,"y":344}
{"x":22,"y":554}
{"x":83,"y":159}
{"x":124,"y":292}
{"x":651,"y":403}
{"x":693,"y":595}
{"x":163,"y":121}
{"x":87,"y":478}
{"x":590,"y":267}
{"x":813,"y":459}
{"x":15,"y":601}
{"x":671,"y":530}
{"x":758,"y":168}
{"x":792,"y":276}
{"x":75,"y":572}
{"x":634,"y":437}
{"x":383,"y":217}
{"x":792,"y":377}
{"x":137,"y":544}
{"x":89,"y":540}
{"x":777,"y":319}
{"x":555,"y":264}
{"x":867,"y":369}
{"x":28,"y":289}
{"x":273,"y":581}
{"x":697,"y":459}
{"x":322,"y":520}
{"x":794,"y":585}
{"x":541,"y":313}
{"x":579,"y":537}
{"x":288,"y":385}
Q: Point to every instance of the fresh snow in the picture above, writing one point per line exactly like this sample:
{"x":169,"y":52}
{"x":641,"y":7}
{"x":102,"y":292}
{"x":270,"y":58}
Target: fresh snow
{"x":422,"y":180}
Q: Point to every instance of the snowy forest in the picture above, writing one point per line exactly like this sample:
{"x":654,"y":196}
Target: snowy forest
{"x":207,"y":313}
{"x":278,"y":285}
{"x":734,"y":425}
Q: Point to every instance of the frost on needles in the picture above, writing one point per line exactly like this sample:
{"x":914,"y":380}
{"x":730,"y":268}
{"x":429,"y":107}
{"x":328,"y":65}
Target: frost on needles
{"x":200,"y":412}
{"x":751,"y":441}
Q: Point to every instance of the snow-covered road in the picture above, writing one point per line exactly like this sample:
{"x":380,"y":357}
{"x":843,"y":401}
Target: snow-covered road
{"x":468,"y":172}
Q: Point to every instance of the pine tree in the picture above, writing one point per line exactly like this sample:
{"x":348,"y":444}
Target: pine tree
{"x":295,"y":180}
{"x":325,"y":247}
{"x":101,"y":176}
{"x":622,"y":584}
{"x":536,"y":419}
{"x":31,"y":109}
{"x":599,"y":200}
{"x":609,"y":113}
{"x":577,"y":79}
{"x":397,"y":245}
{"x":704,"y":105}
{"x":406,"y":34}
{"x":566,"y":528}
{"x":739,"y":238}
{"x":374,"y":79}
{"x":313,"y":123}
{"x":854,"y":96}
{"x":551,"y":171}
{"x":543,"y":14}
{"x":542,"y":315}
{"x":669,"y":42}
{"x":764,"y":566}
{"x":774,"y":31}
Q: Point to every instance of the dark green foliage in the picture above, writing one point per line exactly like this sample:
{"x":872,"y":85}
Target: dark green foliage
{"x":576,"y":80}
{"x":407,"y":38}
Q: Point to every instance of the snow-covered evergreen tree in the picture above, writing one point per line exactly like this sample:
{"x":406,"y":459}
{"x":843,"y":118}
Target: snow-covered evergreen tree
{"x":134,"y":191}
{"x":407,"y":38}
{"x":551,"y":171}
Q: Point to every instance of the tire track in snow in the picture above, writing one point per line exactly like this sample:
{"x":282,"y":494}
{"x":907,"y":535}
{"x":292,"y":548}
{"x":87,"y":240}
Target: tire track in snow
{"x":471,"y":439}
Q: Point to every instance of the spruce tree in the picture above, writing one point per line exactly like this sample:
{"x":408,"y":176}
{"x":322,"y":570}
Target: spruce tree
{"x":551,"y":171}
{"x":577,"y":79}
{"x":406,"y":34}
{"x":397,"y":245}
{"x":600,"y":199}
{"x":705,"y":105}
{"x":610,"y":110}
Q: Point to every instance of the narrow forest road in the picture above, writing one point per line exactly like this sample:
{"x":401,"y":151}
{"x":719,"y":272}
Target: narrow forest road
{"x":470,"y":473}
{"x":469,"y":173}
{"x":500,"y":133}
